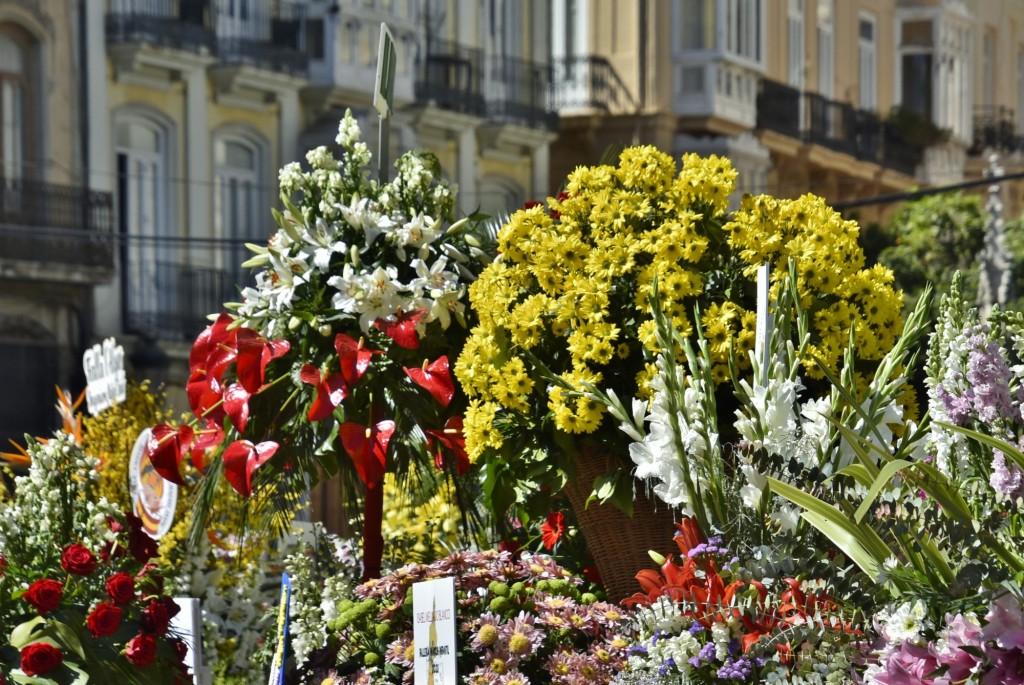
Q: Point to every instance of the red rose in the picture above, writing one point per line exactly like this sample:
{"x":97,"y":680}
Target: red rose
{"x":142,"y":547}
{"x":40,"y":658}
{"x":179,"y":647}
{"x":148,"y":581}
{"x":104,"y":620}
{"x":121,"y":588}
{"x":3,"y":571}
{"x":45,"y":595}
{"x":141,"y":650}
{"x":156,"y":617}
{"x":78,"y":560}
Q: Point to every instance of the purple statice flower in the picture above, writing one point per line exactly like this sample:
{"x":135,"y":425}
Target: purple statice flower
{"x":667,"y":665}
{"x":696,"y":628}
{"x":1006,"y":479}
{"x":958,"y":407}
{"x":739,"y":669}
{"x":988,"y":374}
{"x":638,"y":650}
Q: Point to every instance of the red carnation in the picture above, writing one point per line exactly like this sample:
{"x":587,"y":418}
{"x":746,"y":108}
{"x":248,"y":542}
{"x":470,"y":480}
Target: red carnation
{"x":104,"y":620}
{"x":552,"y":529}
{"x":121,"y":587}
{"x":77,"y":559}
{"x":141,"y":650}
{"x":40,"y":658}
{"x":45,"y":595}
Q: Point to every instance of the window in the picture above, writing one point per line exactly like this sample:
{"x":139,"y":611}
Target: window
{"x":698,"y":20}
{"x":743,"y":29}
{"x":143,"y":217}
{"x":826,"y":48}
{"x":795,"y":33}
{"x":14,"y":103}
{"x":988,"y":56}
{"x":917,"y":79}
{"x":867,"y":62}
{"x":238,"y":205}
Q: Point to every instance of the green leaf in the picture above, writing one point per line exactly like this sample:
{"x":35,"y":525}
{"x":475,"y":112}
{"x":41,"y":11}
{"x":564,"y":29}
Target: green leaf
{"x":1006,"y":448}
{"x":22,"y":634}
{"x":65,"y":635}
{"x":859,"y":542}
{"x":883,"y":479}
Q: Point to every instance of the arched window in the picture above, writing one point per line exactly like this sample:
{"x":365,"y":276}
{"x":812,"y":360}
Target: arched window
{"x":239,"y":196}
{"x":143,"y":187}
{"x":16,"y":97}
{"x":500,"y":195}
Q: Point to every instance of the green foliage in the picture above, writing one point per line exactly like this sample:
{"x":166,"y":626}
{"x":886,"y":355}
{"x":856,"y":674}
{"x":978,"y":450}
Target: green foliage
{"x":932,"y":238}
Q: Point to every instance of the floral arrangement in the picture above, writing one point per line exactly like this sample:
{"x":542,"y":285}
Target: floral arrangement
{"x":520,"y":620}
{"x":567,"y":308}
{"x":337,"y":358}
{"x":706,"y":619}
{"x":78,"y":596}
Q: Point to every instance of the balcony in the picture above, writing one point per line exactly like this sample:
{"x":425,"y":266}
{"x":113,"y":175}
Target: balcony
{"x":451,"y":77}
{"x":589,"y":83}
{"x":718,"y":89}
{"x":66,"y":230}
{"x":838,"y":126}
{"x":169,"y":299}
{"x":503,"y":91}
{"x":265,"y":35}
{"x":995,"y":128}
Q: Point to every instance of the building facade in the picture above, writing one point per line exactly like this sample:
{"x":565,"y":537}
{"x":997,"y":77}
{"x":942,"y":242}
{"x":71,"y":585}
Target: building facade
{"x":847,"y":99}
{"x":55,"y":225}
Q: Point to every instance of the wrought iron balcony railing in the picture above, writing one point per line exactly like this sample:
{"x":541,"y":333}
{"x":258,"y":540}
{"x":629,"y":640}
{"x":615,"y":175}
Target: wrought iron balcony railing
{"x":49,"y":223}
{"x":836,"y":125}
{"x":451,"y":76}
{"x":265,"y":34}
{"x":506,"y":90}
{"x":168,"y":299}
{"x":519,"y":91}
{"x":589,"y":82}
{"x":995,"y":127}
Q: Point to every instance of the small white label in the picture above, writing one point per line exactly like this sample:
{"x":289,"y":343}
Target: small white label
{"x":387,"y":59}
{"x":765,"y":323}
{"x":434,"y":618}
{"x":104,"y":375}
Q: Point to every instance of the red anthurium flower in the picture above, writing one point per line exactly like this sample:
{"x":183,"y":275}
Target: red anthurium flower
{"x":204,"y":396}
{"x":331,"y":390}
{"x":214,"y":348}
{"x":402,"y":327}
{"x":435,"y":379}
{"x":236,"y":405}
{"x":241,"y":459}
{"x":368,"y":447}
{"x":211,"y":436}
{"x":254,"y":353}
{"x":552,"y":529}
{"x":166,"y":449}
{"x":450,"y":440}
{"x":355,"y":359}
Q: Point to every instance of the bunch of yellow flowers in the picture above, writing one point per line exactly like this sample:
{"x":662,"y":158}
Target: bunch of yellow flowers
{"x":568,"y":302}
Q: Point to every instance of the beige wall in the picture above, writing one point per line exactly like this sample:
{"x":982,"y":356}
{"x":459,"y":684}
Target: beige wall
{"x":49,"y":25}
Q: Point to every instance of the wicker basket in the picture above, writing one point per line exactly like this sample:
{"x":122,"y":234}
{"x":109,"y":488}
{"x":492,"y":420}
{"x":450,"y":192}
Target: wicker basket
{"x":618,"y":543}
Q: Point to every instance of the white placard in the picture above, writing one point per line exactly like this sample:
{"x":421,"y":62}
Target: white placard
{"x":104,"y":375}
{"x":765,"y":323}
{"x":188,"y":625}
{"x":154,"y":498}
{"x":434,"y":617}
{"x":387,"y":59}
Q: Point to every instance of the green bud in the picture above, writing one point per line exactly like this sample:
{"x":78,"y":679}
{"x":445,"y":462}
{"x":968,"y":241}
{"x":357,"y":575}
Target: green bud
{"x":371,"y":659}
{"x":501,"y":605}
{"x":499,"y":588}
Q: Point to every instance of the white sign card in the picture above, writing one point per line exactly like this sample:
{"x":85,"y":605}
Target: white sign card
{"x":187,"y":625}
{"x":765,"y":323}
{"x":154,"y":499}
{"x":434,"y":617}
{"x":104,"y":375}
